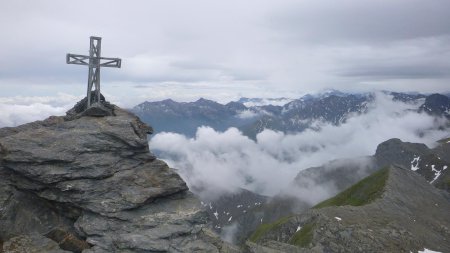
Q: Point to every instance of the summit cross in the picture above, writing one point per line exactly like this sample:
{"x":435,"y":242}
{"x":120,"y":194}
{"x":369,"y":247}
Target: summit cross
{"x":94,"y":61}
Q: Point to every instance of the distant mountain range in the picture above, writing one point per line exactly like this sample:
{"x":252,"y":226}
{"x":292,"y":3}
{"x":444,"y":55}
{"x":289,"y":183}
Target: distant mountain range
{"x":253,"y":115}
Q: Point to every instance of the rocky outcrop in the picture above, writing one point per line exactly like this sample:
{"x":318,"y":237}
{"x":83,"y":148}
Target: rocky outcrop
{"x":432,"y":163}
{"x":394,"y":210}
{"x":88,"y":182}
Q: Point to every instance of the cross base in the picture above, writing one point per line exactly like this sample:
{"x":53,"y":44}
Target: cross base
{"x":97,"y":110}
{"x":94,"y":109}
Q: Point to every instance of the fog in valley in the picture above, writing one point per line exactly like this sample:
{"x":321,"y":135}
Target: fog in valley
{"x":216,"y":162}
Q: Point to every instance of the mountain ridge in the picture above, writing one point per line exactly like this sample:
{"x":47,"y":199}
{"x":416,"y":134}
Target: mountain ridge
{"x":337,"y":175}
{"x":408,"y":215}
{"x":294,"y":116}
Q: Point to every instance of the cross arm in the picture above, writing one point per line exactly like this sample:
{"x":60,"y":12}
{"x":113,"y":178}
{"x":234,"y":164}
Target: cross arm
{"x":110,"y":62}
{"x":95,"y":62}
{"x":77,"y":59}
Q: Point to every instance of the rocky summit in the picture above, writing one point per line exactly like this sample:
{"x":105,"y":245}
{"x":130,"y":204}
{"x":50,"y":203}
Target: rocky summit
{"x":87,"y":182}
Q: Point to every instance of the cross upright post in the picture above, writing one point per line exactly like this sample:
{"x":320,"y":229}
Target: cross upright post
{"x":94,"y":61}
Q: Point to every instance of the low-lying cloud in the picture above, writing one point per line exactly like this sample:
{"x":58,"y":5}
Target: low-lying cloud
{"x":215,"y":162}
{"x":18,"y":110}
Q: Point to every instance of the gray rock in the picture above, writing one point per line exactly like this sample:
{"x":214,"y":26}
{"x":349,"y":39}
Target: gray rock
{"x":164,"y":226}
{"x":89,"y":177}
{"x":33,"y":243}
{"x":98,"y":110}
{"x":395,"y":151}
{"x":432,"y":164}
{"x":99,"y":164}
{"x":24,"y":213}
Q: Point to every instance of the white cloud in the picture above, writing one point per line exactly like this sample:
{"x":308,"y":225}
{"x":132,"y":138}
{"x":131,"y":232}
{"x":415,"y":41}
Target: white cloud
{"x":213,"y":162}
{"x":19,"y":110}
{"x":247,"y":114}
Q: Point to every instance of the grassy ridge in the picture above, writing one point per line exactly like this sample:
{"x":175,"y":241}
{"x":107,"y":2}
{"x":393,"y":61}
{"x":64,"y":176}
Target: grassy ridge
{"x":443,"y":141}
{"x":361,"y":193}
{"x":266,"y":227}
{"x":304,"y":236}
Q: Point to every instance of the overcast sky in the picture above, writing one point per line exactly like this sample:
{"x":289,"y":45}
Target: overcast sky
{"x":226,"y":49}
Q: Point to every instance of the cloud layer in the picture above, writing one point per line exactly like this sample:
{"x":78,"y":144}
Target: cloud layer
{"x":215,"y":162}
{"x":18,"y":110}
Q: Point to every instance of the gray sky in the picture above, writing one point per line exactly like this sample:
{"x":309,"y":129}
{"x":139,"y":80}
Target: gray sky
{"x":226,"y":49}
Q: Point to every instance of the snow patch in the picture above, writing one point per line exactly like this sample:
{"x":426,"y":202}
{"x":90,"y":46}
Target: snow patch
{"x":337,"y":218}
{"x":216,"y":214}
{"x":428,"y":251}
{"x":437,"y":173}
{"x":298,"y":228}
{"x":415,"y":163}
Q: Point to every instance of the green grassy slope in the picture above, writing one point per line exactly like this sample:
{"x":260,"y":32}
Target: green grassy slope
{"x":361,"y":193}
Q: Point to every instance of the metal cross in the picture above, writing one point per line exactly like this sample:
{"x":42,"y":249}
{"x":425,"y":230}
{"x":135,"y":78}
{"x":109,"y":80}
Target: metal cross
{"x":94,"y":61}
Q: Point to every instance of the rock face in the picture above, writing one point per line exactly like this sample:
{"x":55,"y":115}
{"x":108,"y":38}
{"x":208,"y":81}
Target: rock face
{"x":437,"y":104}
{"x":431,"y":163}
{"x":89,"y":182}
{"x":394,"y":210}
{"x":33,"y":243}
{"x":235,"y":215}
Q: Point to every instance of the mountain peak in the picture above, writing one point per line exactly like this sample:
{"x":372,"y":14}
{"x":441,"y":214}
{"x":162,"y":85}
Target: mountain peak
{"x":205,"y":101}
{"x":97,"y":171}
{"x":436,"y":104}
